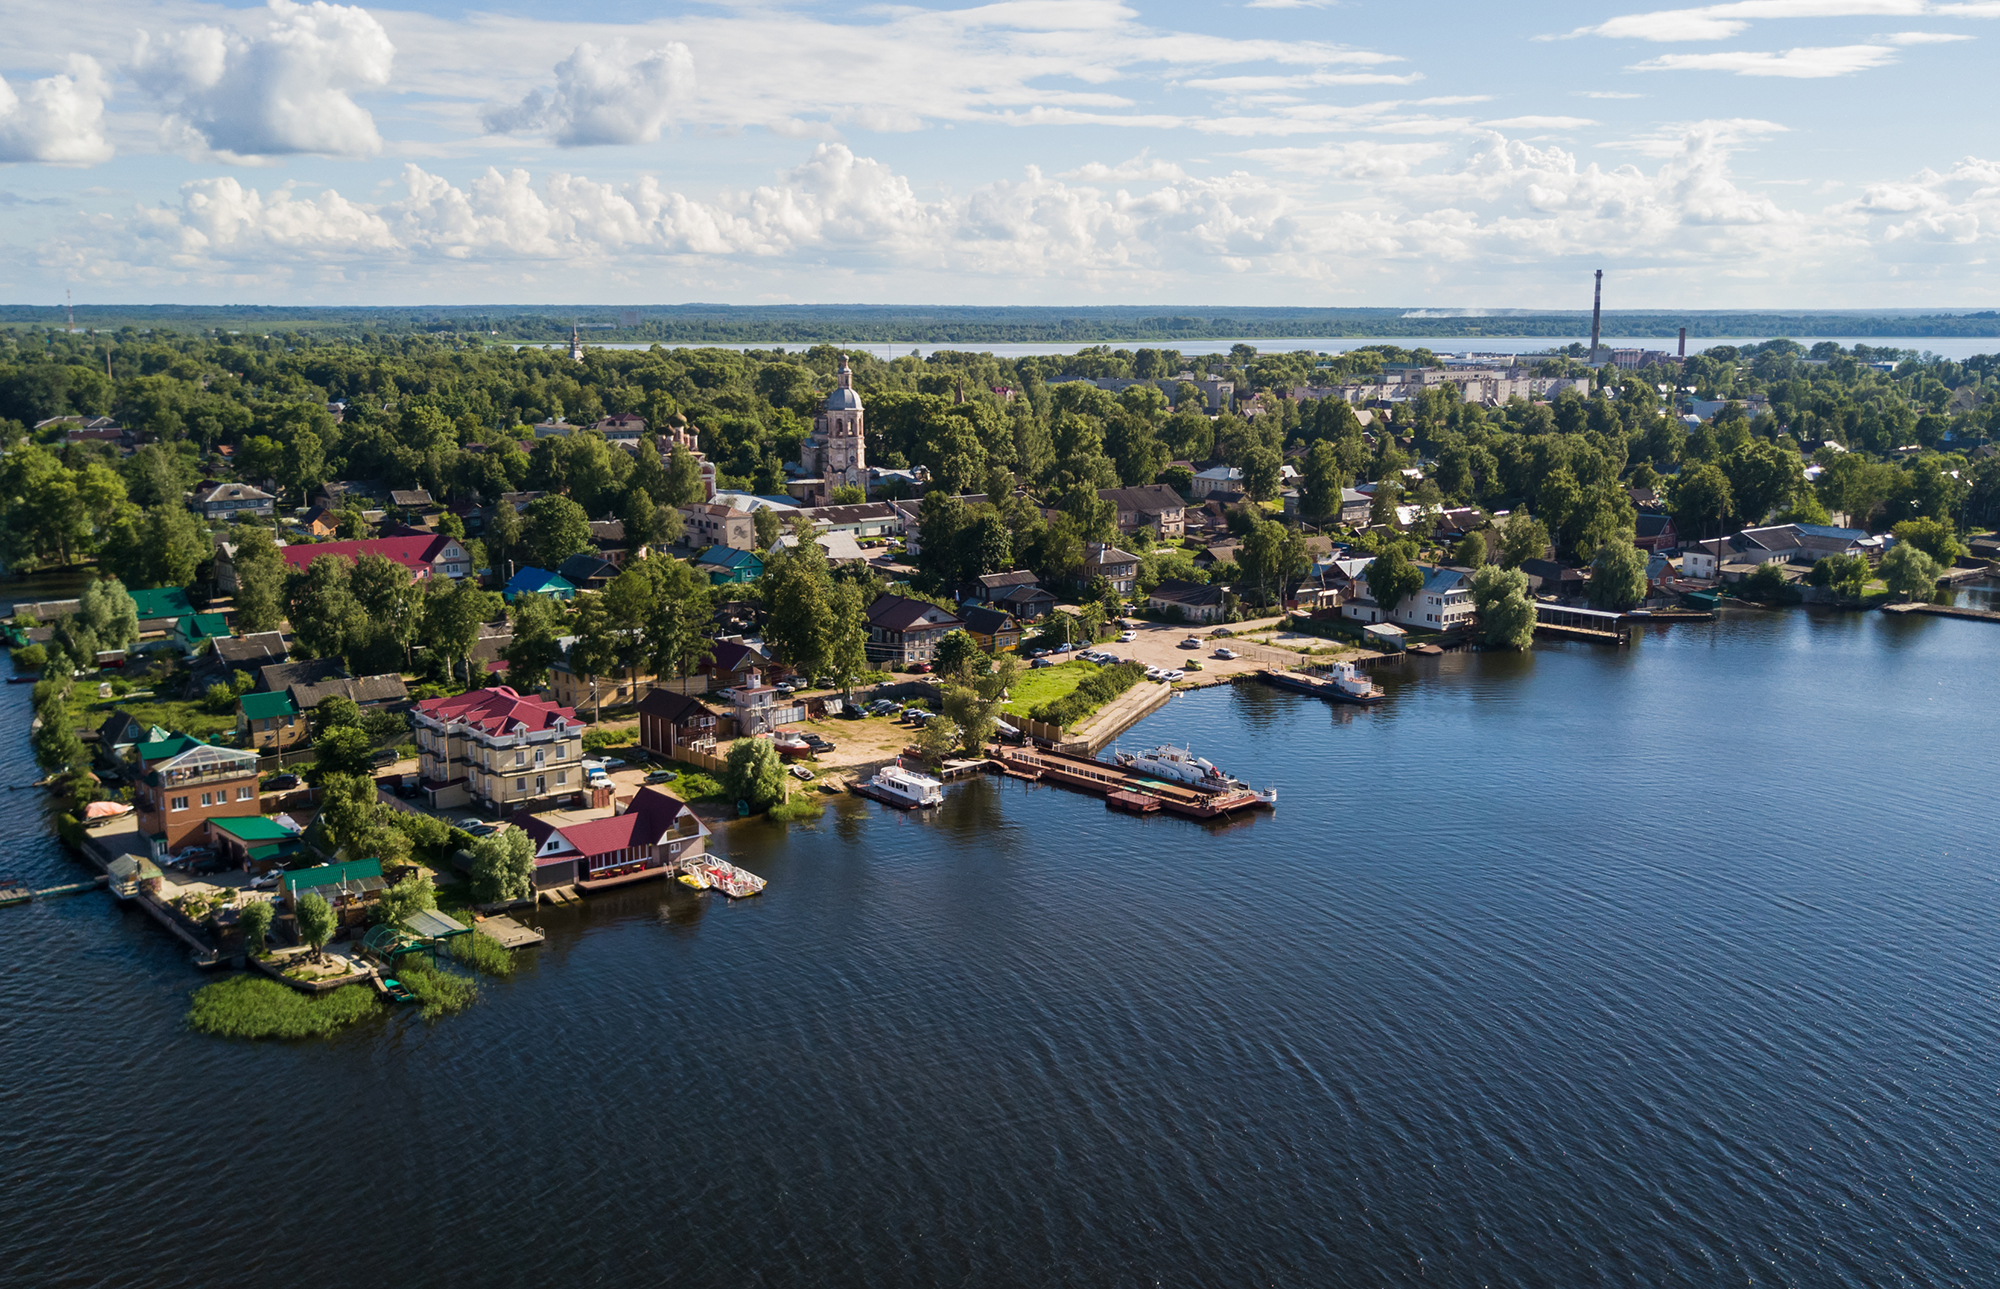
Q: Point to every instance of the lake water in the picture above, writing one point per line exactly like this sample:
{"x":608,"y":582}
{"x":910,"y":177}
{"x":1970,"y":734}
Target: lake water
{"x":1669,"y":966}
{"x":1953,"y":347}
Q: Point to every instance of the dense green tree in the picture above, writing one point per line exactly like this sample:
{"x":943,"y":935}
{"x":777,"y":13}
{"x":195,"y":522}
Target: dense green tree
{"x":1506,"y":615}
{"x":1908,"y":571}
{"x":315,"y":917}
{"x":1523,"y":537}
{"x":260,"y":582}
{"x":412,"y":895}
{"x":1470,"y":552}
{"x":452,"y":615}
{"x":1933,"y":537}
{"x":797,"y":592}
{"x":1847,"y":576}
{"x":326,"y":619}
{"x":847,"y":635}
{"x":503,"y":867}
{"x":255,"y":919}
{"x":1391,"y":577}
{"x":556,"y":529}
{"x":1617,"y":578}
{"x":751,"y":774}
{"x":1701,"y":502}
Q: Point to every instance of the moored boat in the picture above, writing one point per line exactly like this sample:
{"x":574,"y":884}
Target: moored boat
{"x":1341,"y":682}
{"x":1171,"y":764}
{"x":896,"y":786}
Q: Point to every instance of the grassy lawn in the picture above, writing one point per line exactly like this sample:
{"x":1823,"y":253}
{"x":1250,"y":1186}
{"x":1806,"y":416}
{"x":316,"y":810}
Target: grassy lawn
{"x":182,"y":716}
{"x":1036,"y":687}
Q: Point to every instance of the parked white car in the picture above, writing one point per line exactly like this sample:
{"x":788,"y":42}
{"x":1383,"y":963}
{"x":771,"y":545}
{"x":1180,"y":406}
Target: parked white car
{"x":1127,"y":637}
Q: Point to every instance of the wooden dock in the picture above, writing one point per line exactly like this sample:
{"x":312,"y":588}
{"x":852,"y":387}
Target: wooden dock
{"x":1943,"y":611}
{"x":510,"y":934}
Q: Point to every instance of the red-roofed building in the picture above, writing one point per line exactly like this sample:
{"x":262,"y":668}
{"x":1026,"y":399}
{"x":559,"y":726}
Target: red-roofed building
{"x":656,"y":834}
{"x":498,"y":748}
{"x":423,"y":556}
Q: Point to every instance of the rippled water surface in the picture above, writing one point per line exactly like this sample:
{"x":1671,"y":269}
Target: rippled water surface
{"x":1674,"y":966}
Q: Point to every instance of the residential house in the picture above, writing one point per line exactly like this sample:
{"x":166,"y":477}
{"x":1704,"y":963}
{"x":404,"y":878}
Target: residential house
{"x":182,"y":783}
{"x":1029,"y":603}
{"x":1443,"y":603}
{"x":425,"y":557}
{"x":727,"y":566}
{"x":196,"y":629}
{"x":231,"y":654}
{"x":270,"y":722}
{"x":607,"y":536}
{"x":1656,"y":532}
{"x":385,"y":690}
{"x":734,"y":661}
{"x":339,"y":494}
{"x":995,"y":631}
{"x":671,"y":724}
{"x":1217,"y":553}
{"x":587,"y":572}
{"x":861,"y":521}
{"x":158,"y":608}
{"x":1355,"y":507}
{"x":614,"y":687}
{"x":121,"y":732}
{"x":1154,"y":506}
{"x":281,"y":676}
{"x":625,"y":427}
{"x":350,"y":888}
{"x":709,"y":524}
{"x":320,"y":522}
{"x":227,"y":499}
{"x":538,"y":581}
{"x":1218,"y":478}
{"x":1194,"y":601}
{"x":498,"y":748}
{"x":1552,"y":580}
{"x":988,"y":587}
{"x":840,"y":548}
{"x":591,"y":851}
{"x":415,"y":500}
{"x":1120,"y":568}
{"x":759,"y":708}
{"x":907,"y":631}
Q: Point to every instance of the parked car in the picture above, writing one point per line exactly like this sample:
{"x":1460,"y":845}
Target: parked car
{"x":281,"y":783}
{"x":662,"y":776}
{"x":786,"y":687}
{"x":1155,"y":673}
{"x":1039,"y":653}
{"x":1172,"y":675}
{"x":1226,"y":652}
{"x":920,"y":668}
{"x":1193,"y":664}
{"x":1222,"y":633}
{"x":1191,"y":643}
{"x":263,"y":880}
{"x":1040,"y":662}
{"x":1127,"y":637}
{"x":612,"y":763}
{"x":592,"y":766}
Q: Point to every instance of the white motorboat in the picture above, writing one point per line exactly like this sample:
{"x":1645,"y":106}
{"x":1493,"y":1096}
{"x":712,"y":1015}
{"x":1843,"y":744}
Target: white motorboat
{"x":907,"y":788}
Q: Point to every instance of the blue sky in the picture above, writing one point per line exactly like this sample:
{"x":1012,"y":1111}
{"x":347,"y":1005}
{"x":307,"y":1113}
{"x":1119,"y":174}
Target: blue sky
{"x":1764,"y":153}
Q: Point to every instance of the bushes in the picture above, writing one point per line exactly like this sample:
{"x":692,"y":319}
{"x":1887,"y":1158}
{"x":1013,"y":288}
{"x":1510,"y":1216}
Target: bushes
{"x":596,"y":741}
{"x":1092,"y":693}
{"x":439,"y":992}
{"x":798,"y":809}
{"x":482,"y":953}
{"x":252,"y":1007}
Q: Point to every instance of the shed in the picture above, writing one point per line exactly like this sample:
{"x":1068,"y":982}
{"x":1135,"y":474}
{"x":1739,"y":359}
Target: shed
{"x":429,"y":924}
{"x":1386,"y":635}
{"x":338,"y":884}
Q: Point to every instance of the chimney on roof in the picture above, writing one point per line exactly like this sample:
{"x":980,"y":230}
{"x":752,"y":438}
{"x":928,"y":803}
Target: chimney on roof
{"x":1596,"y":314}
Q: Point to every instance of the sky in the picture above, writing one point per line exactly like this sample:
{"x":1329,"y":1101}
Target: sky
{"x":1755,"y":154}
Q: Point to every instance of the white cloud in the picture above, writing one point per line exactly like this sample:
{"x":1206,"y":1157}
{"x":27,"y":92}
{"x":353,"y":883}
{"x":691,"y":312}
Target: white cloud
{"x":1723,"y":21}
{"x":1925,"y":38}
{"x":1934,"y":219}
{"x":1539,"y":123}
{"x":280,"y":91}
{"x":614,"y":95}
{"x":1796,"y":64}
{"x":58,"y":119}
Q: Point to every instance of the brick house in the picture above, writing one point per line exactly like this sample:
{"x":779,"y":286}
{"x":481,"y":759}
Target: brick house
{"x":269,"y":721}
{"x":497,"y":748}
{"x":183,"y":783}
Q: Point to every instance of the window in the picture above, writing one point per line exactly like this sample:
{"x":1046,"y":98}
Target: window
{"x":244,"y":794}
{"x":520,"y":758}
{"x":207,"y":798}
{"x":562,"y":777}
{"x":520,"y":785}
{"x":178,"y":803}
{"x":559,"y":751}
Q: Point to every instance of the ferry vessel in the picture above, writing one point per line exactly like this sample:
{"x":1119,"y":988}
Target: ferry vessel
{"x":1171,"y":764}
{"x":1341,"y":682}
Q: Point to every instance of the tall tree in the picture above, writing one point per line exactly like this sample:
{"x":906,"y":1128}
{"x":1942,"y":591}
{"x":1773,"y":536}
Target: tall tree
{"x":539,"y":623}
{"x":1320,"y":484}
{"x":326,"y":620}
{"x":797,"y":591}
{"x":1523,"y":537}
{"x":847,"y":635}
{"x":260,"y":581}
{"x":1391,"y":577}
{"x":557,"y":528}
{"x":453,"y":614}
{"x":110,"y":613}
{"x":1506,"y":615}
{"x":1617,"y":577}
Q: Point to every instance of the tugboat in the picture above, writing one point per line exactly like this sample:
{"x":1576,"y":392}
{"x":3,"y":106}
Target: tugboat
{"x":1342,"y":682}
{"x":1171,"y":764}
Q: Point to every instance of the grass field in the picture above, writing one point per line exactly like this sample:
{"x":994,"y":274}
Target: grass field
{"x":182,"y":716}
{"x":1046,"y":685}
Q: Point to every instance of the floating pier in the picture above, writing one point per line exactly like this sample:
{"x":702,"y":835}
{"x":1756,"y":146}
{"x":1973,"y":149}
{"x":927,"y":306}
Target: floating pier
{"x":1110,"y":781}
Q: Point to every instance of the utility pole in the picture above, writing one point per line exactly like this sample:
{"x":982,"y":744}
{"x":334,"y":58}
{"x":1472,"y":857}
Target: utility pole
{"x":69,"y":308}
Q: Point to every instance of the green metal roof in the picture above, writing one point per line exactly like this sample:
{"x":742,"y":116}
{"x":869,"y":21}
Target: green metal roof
{"x":198,"y":625}
{"x":162,"y":602}
{"x":273,"y":852}
{"x":257,"y":828}
{"x":160,"y":749}
{"x":354,"y":871}
{"x":266,"y":707}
